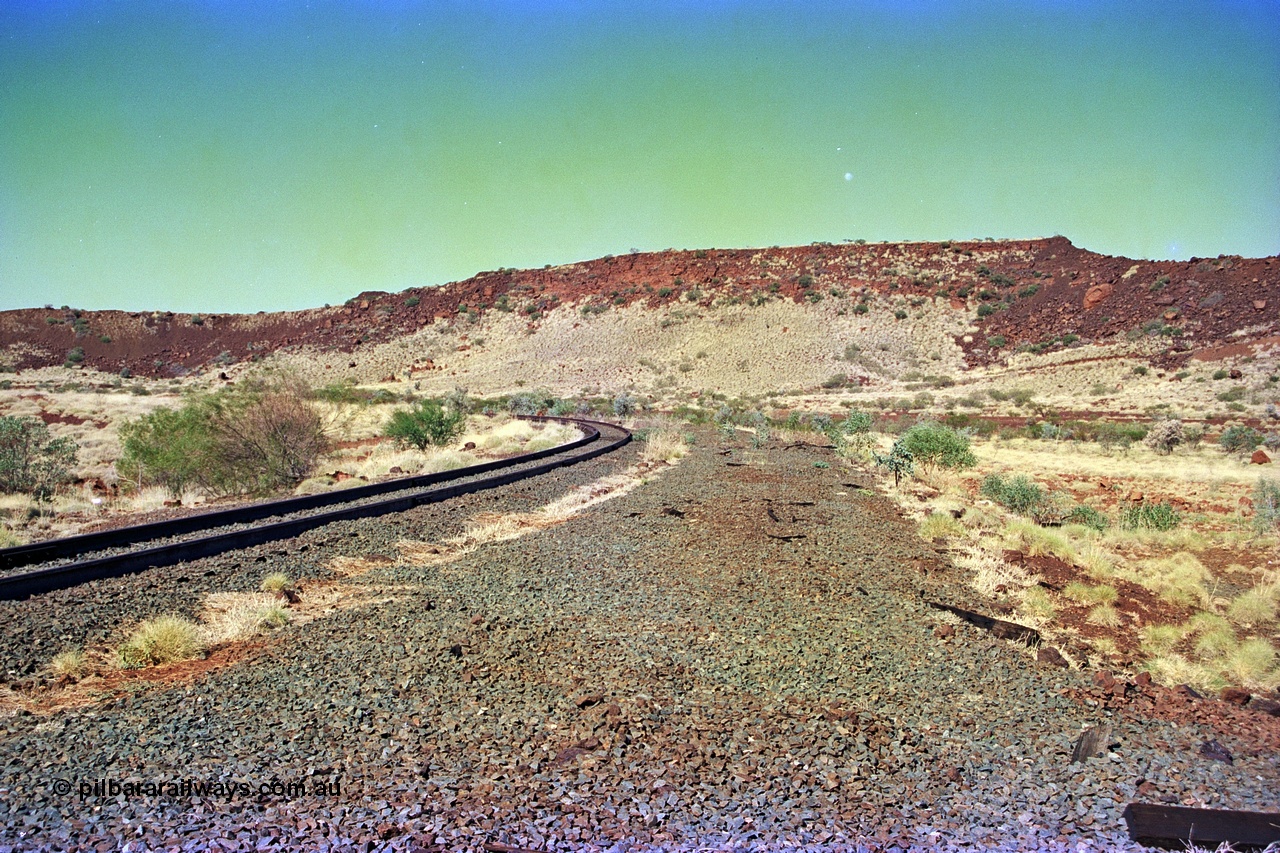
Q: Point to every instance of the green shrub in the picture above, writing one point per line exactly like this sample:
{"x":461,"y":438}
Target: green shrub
{"x":425,"y":424}
{"x":996,"y":341}
{"x":75,"y":356}
{"x":169,"y":447}
{"x":1020,"y":494}
{"x":1149,"y":516}
{"x":1234,"y":395}
{"x":1088,"y":516}
{"x":256,"y":437}
{"x":30,"y":461}
{"x":932,"y":444}
{"x":412,"y":302}
{"x":1240,"y":439}
{"x":624,"y":405}
{"x":1221,"y":374}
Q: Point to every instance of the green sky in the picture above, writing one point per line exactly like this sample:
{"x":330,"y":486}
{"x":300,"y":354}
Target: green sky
{"x":214,"y":156}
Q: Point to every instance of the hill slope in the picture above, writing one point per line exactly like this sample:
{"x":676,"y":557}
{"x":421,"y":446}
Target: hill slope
{"x":946,"y":306}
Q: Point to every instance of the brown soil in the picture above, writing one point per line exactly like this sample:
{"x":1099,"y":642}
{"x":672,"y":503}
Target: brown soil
{"x":1041,"y":284}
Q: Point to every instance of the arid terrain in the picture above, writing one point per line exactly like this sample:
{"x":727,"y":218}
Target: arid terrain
{"x":736,"y":612}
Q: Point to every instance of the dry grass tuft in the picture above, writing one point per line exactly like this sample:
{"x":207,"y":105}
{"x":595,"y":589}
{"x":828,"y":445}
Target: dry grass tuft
{"x":664,"y":443}
{"x":1176,"y":669}
{"x":1036,"y":541}
{"x":940,"y":525}
{"x":1038,"y":605}
{"x":70,"y":663}
{"x":1085,"y":594}
{"x":1254,"y":607}
{"x":1253,"y":664}
{"x":1097,"y":562}
{"x":164,"y":639}
{"x":1105,"y":615}
{"x":1178,"y":579}
{"x":990,"y":571}
{"x":232,"y":616}
{"x":1161,"y":639}
{"x":276,"y":582}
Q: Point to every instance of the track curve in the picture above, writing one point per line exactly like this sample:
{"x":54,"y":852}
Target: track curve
{"x":599,"y":437}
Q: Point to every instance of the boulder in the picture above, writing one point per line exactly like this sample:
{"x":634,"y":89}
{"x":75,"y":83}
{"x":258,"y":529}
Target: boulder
{"x":1259,"y":457}
{"x":1096,"y":294}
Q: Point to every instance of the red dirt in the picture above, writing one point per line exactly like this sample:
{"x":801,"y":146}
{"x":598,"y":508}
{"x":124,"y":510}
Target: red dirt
{"x":68,"y":693}
{"x":1137,"y":606}
{"x":74,"y":420}
{"x":1206,"y":299}
{"x":1244,"y":730}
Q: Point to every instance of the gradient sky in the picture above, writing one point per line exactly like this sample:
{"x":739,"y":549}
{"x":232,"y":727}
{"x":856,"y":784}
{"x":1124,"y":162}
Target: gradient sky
{"x":235,"y":155}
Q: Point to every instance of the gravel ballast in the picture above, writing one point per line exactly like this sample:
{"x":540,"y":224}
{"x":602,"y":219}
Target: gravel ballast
{"x":736,"y":655}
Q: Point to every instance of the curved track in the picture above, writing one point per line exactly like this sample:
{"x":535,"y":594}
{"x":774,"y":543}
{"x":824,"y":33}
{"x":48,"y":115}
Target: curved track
{"x":78,"y":559}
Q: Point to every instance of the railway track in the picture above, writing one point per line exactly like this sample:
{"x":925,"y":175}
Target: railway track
{"x":68,"y":562}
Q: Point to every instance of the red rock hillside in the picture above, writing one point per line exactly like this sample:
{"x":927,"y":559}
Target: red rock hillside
{"x":1031,"y":293}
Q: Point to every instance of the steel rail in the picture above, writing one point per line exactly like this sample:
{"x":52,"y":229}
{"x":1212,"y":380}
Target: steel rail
{"x":15,"y":587}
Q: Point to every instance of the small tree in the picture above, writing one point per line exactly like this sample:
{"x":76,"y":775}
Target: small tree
{"x":1164,"y":436}
{"x":932,"y":444}
{"x":426,"y":423}
{"x":30,"y":461}
{"x":899,"y":462}
{"x":852,"y":436}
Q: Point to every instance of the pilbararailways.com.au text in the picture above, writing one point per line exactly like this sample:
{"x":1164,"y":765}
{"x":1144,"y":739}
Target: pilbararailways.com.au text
{"x":112,"y":788}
